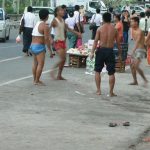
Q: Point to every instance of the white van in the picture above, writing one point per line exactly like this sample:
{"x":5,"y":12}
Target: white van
{"x":4,"y":26}
{"x":36,"y":10}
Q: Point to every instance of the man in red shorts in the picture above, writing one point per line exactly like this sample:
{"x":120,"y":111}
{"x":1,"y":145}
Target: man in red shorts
{"x":60,"y":41}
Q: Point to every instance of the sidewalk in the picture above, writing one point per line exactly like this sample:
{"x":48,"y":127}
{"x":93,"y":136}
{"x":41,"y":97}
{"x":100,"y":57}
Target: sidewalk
{"x":67,"y":115}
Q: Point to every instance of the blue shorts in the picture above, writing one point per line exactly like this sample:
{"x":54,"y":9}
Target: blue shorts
{"x":37,"y":48}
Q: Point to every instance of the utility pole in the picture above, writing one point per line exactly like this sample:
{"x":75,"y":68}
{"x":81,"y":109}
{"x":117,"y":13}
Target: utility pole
{"x":31,"y":2}
{"x":3,"y":4}
{"x":18,"y":6}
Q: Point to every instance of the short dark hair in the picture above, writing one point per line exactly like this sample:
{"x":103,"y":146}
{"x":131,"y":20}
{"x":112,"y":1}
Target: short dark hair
{"x":71,"y":13}
{"x":111,"y":9}
{"x":118,"y":16}
{"x":148,"y":14}
{"x":136,"y":19}
{"x":107,"y":17}
{"x":77,"y":7}
{"x":142,"y":14}
{"x":43,"y":14}
{"x":64,"y":6}
{"x":29,"y":9}
{"x":56,"y":10}
{"x":98,"y":10}
{"x":133,"y":12}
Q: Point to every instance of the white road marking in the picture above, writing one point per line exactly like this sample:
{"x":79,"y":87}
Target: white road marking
{"x":9,"y":59}
{"x":20,"y":79}
{"x":10,"y":46}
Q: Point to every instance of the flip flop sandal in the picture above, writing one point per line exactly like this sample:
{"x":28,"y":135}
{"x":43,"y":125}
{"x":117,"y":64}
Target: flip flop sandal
{"x":146,"y":139}
{"x":113,"y":125}
{"x":126,"y":124}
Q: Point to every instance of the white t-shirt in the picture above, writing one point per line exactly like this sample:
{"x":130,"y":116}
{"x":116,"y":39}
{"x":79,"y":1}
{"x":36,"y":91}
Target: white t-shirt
{"x":71,"y":22}
{"x":76,"y":16}
{"x":149,"y":30}
{"x":128,"y":8}
{"x":29,"y":19}
{"x":97,"y":18}
{"x":143,"y":23}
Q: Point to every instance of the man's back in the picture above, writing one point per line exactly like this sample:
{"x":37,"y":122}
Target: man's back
{"x":107,"y":35}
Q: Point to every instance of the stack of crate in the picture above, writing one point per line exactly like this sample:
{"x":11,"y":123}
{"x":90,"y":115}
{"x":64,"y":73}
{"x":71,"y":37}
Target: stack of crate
{"x":120,"y":64}
{"x":77,"y":61}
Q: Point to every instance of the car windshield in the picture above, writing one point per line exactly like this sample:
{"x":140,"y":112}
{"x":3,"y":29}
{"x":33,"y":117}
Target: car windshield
{"x":36,"y":10}
{"x":94,"y":5}
{"x":1,"y":15}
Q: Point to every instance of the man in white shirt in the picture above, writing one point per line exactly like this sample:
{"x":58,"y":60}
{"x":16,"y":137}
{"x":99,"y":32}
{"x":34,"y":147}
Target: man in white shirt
{"x":29,"y":23}
{"x":72,"y":38}
{"x":144,"y":23}
{"x":77,"y":16}
{"x":128,"y":8}
{"x":97,"y":19}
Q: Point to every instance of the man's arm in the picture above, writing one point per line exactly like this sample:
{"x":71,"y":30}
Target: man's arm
{"x":147,"y":39}
{"x":92,"y":19}
{"x":47,"y":37}
{"x":139,"y":35}
{"x":73,"y":31}
{"x":118,"y":43}
{"x":95,"y":43}
{"x":77,"y":21}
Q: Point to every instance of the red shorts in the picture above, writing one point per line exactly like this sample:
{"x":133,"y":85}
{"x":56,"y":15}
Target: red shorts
{"x":60,"y":45}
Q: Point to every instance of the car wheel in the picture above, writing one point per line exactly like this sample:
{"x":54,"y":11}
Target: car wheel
{"x":7,"y":38}
{"x":4,"y":39}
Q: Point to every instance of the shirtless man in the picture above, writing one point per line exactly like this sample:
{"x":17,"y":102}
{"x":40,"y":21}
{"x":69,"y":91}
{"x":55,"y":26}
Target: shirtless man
{"x":60,"y":41}
{"x":106,"y":35}
{"x":138,"y":52}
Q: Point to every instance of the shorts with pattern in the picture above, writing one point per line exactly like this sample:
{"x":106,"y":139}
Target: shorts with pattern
{"x":140,"y":54}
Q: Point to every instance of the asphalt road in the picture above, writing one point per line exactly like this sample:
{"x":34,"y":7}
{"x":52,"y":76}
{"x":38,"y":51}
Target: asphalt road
{"x":68,"y":115}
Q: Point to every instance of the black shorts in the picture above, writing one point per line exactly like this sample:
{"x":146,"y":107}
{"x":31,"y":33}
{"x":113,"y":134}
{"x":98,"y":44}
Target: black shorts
{"x":105,"y":56}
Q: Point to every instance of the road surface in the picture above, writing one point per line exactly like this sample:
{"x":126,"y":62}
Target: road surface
{"x":68,"y":115}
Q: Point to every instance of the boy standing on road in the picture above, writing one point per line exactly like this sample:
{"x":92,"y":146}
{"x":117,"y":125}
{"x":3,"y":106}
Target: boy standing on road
{"x":106,"y":35}
{"x":139,"y":52}
{"x":60,"y":41}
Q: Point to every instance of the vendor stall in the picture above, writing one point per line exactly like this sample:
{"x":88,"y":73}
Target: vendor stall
{"x":78,"y":56}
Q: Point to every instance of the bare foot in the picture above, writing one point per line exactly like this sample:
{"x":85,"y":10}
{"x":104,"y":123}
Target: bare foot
{"x":112,"y":95}
{"x":40,"y":83}
{"x":60,"y":78}
{"x":26,"y":55}
{"x":52,"y":74}
{"x":146,"y":139}
{"x":145,"y":84}
{"x":98,"y":92}
{"x":134,"y":83}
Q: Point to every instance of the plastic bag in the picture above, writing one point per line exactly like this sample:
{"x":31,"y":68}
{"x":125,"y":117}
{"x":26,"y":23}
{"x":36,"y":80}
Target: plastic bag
{"x":18,"y":39}
{"x":90,"y":65}
{"x":79,"y":43}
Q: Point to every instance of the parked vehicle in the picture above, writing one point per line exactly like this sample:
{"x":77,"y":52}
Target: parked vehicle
{"x":147,"y":5}
{"x":138,"y":9}
{"x":4,"y":25}
{"x":89,"y":5}
{"x":70,"y":9}
{"x":88,"y":16}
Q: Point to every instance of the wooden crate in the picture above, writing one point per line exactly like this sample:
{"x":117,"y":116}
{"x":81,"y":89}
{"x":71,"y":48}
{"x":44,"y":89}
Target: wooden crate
{"x":78,"y":61}
{"x":120,"y":66}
